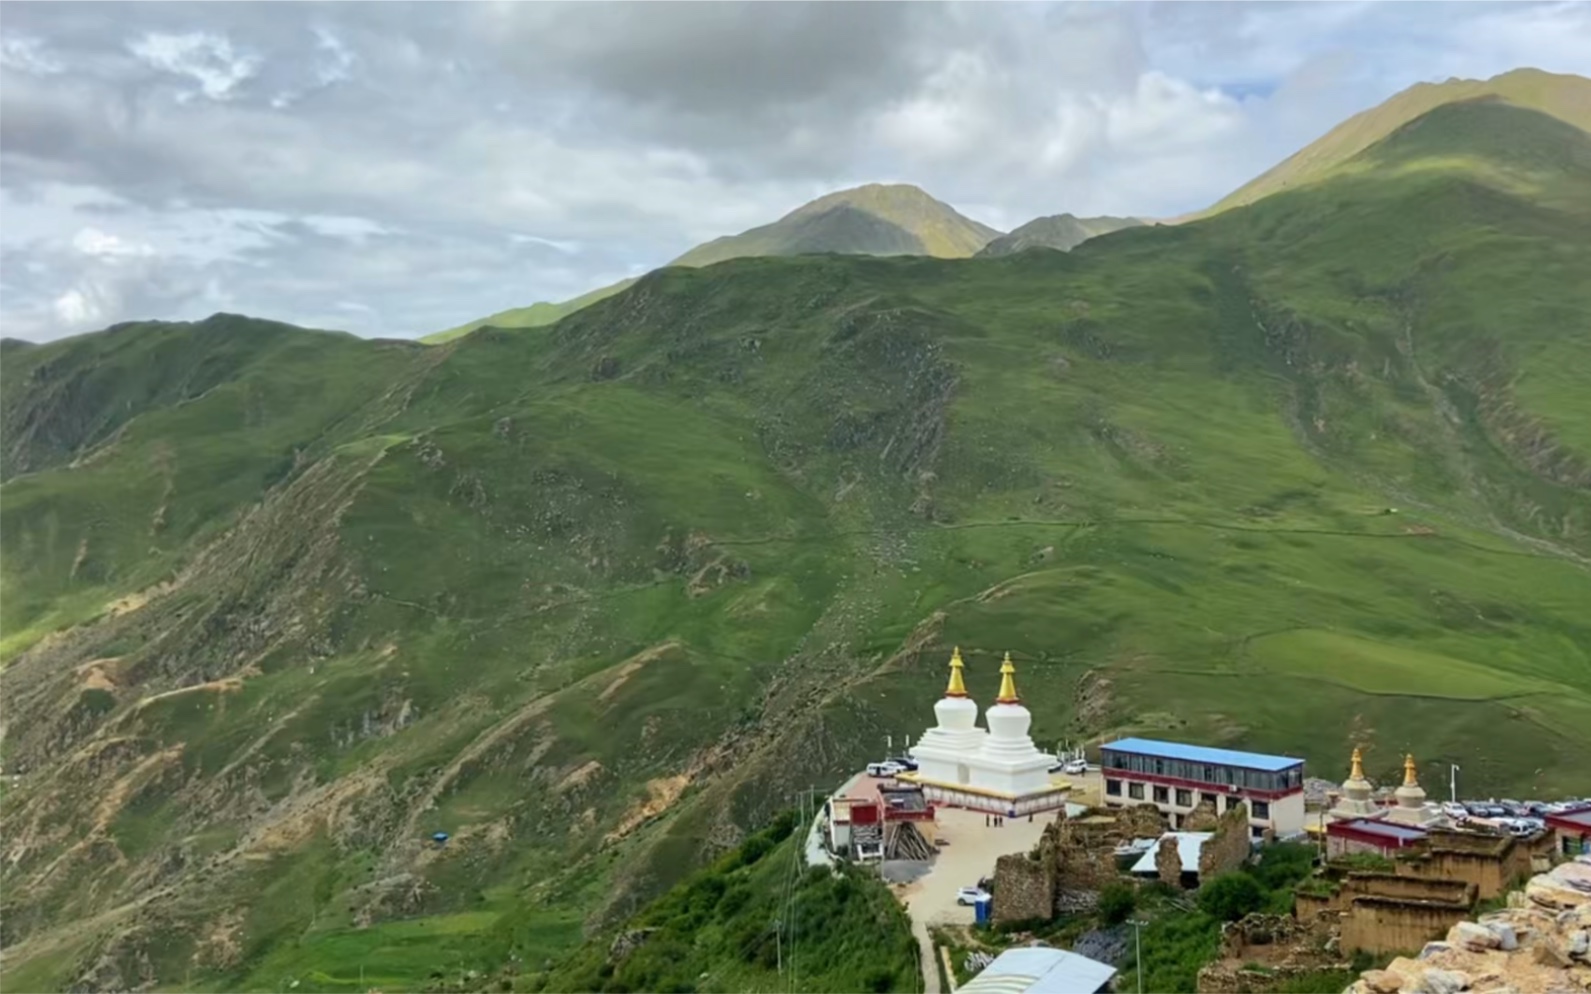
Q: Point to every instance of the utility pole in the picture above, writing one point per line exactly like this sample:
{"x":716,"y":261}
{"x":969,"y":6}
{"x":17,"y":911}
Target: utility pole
{"x":1452,"y":782}
{"x":1138,"y":950}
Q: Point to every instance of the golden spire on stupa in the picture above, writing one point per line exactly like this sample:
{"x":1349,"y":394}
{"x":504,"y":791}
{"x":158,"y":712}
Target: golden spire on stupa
{"x":1358,"y":772}
{"x":958,"y":687}
{"x":1409,"y":779}
{"x":1007,"y":683}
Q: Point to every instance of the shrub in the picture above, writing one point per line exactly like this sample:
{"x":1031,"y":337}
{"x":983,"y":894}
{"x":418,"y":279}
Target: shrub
{"x":1231,"y":896}
{"x":1116,"y":903}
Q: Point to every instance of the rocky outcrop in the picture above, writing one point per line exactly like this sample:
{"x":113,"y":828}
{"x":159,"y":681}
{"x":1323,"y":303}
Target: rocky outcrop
{"x":1540,"y":943}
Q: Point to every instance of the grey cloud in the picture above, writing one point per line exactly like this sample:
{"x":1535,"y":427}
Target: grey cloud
{"x":397,"y":168}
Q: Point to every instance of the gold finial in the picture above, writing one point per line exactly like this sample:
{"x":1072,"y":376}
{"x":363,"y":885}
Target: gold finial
{"x":1408,"y":771}
{"x":958,"y":687}
{"x":1007,"y":683}
{"x":1358,"y":765}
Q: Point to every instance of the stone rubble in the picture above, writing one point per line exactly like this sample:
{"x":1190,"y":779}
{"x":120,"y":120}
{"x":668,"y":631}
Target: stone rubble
{"x":1539,"y":944}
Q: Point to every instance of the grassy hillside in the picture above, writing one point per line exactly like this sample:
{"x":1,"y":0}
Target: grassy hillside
{"x":877,"y":219}
{"x":756,"y":920}
{"x":597,"y":600}
{"x":537,"y":315}
{"x":1565,"y":97}
{"x":1062,"y":232}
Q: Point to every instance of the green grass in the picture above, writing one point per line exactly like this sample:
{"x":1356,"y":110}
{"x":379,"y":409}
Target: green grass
{"x":756,"y":920}
{"x":598,"y":599}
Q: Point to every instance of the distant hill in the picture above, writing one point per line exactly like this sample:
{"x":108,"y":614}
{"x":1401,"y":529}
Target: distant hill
{"x":876,"y":219}
{"x":534,"y":316}
{"x":1062,"y":232}
{"x":1565,"y":97}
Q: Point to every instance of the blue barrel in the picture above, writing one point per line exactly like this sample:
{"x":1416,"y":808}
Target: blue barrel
{"x":980,"y":910}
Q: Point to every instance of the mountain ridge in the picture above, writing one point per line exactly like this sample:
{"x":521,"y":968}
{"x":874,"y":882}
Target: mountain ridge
{"x":1062,"y":232}
{"x":872,"y":219}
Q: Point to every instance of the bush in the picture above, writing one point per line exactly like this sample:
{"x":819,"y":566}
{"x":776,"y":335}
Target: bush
{"x":1231,"y":896}
{"x":1116,"y":903}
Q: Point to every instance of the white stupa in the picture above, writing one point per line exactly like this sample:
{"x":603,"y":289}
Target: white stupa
{"x":1356,"y":799}
{"x":1009,"y":762}
{"x":1412,"y":807}
{"x":943,"y":752}
{"x":998,"y":770}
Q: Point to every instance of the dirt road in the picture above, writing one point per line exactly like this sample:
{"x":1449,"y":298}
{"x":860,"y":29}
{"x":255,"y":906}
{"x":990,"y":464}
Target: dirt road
{"x":968,"y":856}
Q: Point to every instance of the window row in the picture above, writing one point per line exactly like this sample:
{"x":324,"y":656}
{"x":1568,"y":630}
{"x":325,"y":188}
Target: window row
{"x":1291,"y":778}
{"x":1183,"y":798}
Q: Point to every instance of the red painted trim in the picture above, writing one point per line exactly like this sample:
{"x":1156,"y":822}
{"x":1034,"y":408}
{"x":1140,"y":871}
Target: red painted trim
{"x":1197,"y":786}
{"x":1561,"y":822}
{"x":1341,"y":831}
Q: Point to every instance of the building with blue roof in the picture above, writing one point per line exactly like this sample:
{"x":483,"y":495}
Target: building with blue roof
{"x":1176,"y":777}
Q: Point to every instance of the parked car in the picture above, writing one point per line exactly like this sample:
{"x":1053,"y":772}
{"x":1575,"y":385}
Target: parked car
{"x":1076,"y":767}
{"x":904,"y":762}
{"x":1457,"y":812}
{"x":888,"y":768}
{"x":971,"y":895}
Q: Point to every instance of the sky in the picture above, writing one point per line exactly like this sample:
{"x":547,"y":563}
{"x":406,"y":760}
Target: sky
{"x":394,"y":169}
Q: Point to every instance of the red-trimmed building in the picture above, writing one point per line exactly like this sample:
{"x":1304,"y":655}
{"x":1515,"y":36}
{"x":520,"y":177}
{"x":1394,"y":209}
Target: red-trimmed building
{"x":1175,"y":778}
{"x":1370,"y":835}
{"x":1571,"y":830}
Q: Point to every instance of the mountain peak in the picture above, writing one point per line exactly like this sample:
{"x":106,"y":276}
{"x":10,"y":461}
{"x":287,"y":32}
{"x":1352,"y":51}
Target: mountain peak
{"x":1563,"y":96}
{"x":874,"y":219}
{"x":1062,"y":232}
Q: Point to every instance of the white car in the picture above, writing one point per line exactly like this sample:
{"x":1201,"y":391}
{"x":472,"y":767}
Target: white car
{"x":1455,"y":811}
{"x":885,"y":769}
{"x":971,"y":895}
{"x":1076,"y":767}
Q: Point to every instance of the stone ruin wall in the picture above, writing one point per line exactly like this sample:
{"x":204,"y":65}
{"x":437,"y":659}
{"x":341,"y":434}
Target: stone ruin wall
{"x":1073,"y":861}
{"x":1229,"y":847}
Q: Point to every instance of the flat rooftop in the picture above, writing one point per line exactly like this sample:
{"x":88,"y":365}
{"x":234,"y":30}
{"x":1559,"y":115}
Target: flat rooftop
{"x":1578,"y":817}
{"x":1040,"y":970}
{"x":1204,"y":754}
{"x":1385,"y":829}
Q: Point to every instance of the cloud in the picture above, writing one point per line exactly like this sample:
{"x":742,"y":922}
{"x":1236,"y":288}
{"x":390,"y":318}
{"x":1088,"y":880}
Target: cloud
{"x":206,"y":59}
{"x":398,"y":168}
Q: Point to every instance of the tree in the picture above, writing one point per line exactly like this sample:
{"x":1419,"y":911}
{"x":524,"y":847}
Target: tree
{"x":1116,"y":903}
{"x":1231,"y":896}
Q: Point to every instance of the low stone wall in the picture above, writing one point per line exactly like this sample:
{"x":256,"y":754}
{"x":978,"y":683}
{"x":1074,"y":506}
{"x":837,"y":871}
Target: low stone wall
{"x":1229,"y":978}
{"x":1389,"y":925}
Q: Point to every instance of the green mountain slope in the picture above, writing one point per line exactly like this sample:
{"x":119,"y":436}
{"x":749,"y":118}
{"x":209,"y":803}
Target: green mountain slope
{"x":1062,"y":232}
{"x":537,"y":315}
{"x":598,"y":600}
{"x":877,"y":219}
{"x":1563,"y":96}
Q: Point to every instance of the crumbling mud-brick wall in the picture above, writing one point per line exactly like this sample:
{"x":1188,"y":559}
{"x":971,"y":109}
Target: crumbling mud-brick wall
{"x":1024,"y":888}
{"x":1073,"y":860}
{"x":1141,"y":821}
{"x":1229,"y":847}
{"x":1168,"y":861}
{"x":1201,"y":819}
